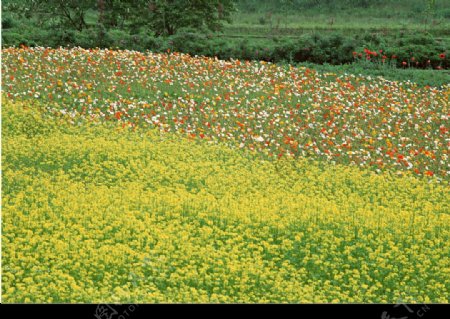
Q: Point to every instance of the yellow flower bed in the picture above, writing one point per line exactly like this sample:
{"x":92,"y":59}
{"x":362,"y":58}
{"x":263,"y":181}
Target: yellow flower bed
{"x":102,"y":214}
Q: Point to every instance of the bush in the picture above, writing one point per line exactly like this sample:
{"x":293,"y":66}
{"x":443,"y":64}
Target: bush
{"x":86,"y":39}
{"x":418,"y":50}
{"x":7,"y":23}
{"x":190,"y":41}
{"x":15,"y":39}
{"x":119,"y":39}
{"x":284,"y":51}
{"x":152,"y":43}
{"x":262,"y":21}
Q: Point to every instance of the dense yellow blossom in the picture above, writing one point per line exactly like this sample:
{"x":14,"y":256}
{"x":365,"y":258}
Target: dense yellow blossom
{"x":96,"y":213}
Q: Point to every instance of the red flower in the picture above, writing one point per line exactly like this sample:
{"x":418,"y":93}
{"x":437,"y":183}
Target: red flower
{"x":442,"y":56}
{"x":404,"y":63}
{"x":394,"y":57}
{"x":429,"y":173}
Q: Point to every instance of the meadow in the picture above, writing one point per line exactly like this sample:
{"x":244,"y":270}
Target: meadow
{"x":102,"y":214}
{"x":273,"y":110}
{"x":143,"y":177}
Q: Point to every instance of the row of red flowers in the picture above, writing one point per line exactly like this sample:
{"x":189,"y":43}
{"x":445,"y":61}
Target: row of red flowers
{"x":381,"y":56}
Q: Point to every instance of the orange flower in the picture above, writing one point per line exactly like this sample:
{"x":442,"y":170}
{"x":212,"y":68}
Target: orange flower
{"x":429,"y":173}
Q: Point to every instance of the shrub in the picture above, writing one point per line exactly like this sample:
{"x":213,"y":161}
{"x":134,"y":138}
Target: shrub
{"x":262,"y":21}
{"x":7,"y":23}
{"x":333,"y":47}
{"x":15,"y":39}
{"x":284,"y":51}
{"x":190,"y":41}
{"x":119,"y":39}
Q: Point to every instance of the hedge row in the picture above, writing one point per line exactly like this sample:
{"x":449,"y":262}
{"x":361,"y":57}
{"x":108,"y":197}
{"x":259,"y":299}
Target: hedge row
{"x":419,"y":50}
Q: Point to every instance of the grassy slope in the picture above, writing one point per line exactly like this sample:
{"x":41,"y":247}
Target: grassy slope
{"x":302,"y":22}
{"x":385,"y":15}
{"x":99,"y":214}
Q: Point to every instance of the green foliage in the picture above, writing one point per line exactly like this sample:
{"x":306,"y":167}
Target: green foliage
{"x":166,"y":17}
{"x":7,"y":22}
{"x":115,"y":13}
{"x":189,"y":40}
{"x":67,"y":14}
{"x":419,"y":50}
{"x":336,"y":5}
{"x":14,"y":39}
{"x":333,"y":48}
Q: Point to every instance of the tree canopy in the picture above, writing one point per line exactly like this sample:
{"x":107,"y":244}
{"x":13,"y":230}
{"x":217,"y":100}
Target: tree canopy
{"x":163,"y":17}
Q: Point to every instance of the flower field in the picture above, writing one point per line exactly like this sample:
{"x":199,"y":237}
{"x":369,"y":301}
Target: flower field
{"x":148,"y":178}
{"x":273,"y":110}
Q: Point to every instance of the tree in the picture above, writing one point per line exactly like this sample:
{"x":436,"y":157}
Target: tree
{"x":115,"y":13}
{"x":68,"y":13}
{"x":165,"y":17}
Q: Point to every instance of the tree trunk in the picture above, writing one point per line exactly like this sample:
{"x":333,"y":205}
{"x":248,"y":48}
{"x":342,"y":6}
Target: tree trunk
{"x":101,"y":10}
